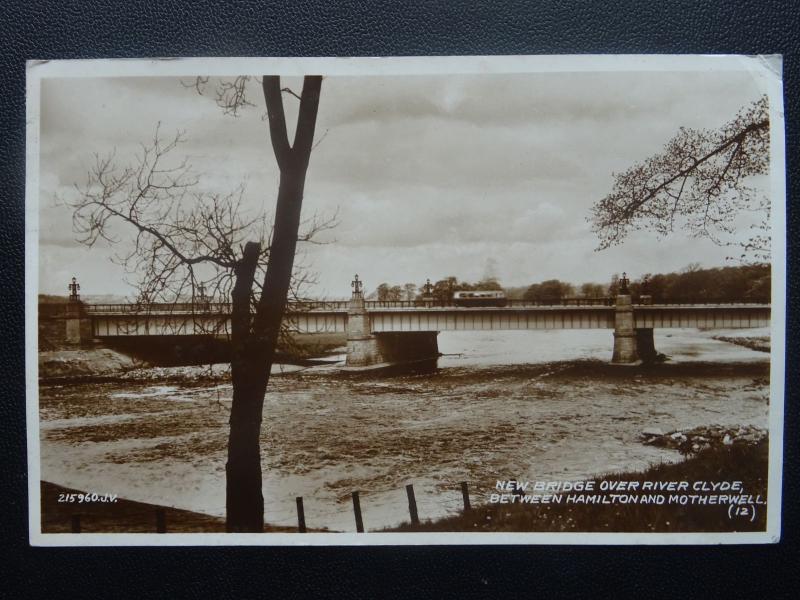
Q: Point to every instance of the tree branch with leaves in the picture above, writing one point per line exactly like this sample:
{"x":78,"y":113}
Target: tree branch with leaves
{"x":699,"y":182}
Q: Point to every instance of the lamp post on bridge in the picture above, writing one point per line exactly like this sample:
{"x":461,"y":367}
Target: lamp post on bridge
{"x":623,"y":284}
{"x":205,"y":302}
{"x":427,"y":293}
{"x":73,"y":315}
{"x":74,"y":288}
{"x":357,"y":286}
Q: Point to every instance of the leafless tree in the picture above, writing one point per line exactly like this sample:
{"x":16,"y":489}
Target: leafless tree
{"x":698,"y":182}
{"x":187,"y":240}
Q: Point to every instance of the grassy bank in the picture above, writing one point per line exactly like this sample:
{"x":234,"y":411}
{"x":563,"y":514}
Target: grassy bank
{"x":745,"y":463}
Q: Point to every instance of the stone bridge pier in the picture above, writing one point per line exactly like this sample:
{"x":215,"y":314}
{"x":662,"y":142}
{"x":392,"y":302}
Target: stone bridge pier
{"x":367,"y":349}
{"x":632,"y":345}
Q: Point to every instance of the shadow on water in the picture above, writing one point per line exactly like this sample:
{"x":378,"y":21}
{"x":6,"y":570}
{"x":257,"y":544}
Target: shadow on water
{"x":567,"y":370}
{"x":427,"y":366}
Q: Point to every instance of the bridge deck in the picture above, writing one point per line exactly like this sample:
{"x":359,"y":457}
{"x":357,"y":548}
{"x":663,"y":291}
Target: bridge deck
{"x":333,"y":319}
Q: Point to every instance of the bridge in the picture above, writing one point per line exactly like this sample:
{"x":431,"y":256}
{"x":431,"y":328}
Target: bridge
{"x":381,"y":333}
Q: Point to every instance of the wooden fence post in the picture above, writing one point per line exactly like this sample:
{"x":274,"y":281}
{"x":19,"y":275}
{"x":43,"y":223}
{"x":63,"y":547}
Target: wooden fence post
{"x":76,"y":523}
{"x":357,"y":511}
{"x":465,"y":496}
{"x":412,"y":504}
{"x":161,"y":521}
{"x":301,"y":516}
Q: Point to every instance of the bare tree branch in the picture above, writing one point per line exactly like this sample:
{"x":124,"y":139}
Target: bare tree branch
{"x":186,"y":243}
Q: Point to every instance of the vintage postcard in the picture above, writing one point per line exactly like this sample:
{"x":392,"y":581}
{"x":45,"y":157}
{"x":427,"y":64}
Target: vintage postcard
{"x":453,"y":300}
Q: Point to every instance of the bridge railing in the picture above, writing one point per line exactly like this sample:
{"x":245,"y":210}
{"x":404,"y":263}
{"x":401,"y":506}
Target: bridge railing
{"x":303,"y":305}
{"x":216,"y":308}
{"x":205,"y":307}
{"x":160,"y":307}
{"x":703,"y":301}
{"x":378,"y":304}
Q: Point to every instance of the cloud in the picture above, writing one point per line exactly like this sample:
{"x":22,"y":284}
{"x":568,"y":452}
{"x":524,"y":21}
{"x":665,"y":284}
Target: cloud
{"x":431,"y":175}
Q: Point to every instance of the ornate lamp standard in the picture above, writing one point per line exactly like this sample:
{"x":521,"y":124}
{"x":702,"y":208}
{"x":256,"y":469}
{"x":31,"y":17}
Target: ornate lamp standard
{"x":623,"y":284}
{"x":427,"y":292}
{"x":357,"y":286}
{"x":205,"y":301}
{"x":73,"y":288}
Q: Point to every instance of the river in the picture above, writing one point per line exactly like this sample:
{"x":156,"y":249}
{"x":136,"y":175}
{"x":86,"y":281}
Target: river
{"x":502,"y":405}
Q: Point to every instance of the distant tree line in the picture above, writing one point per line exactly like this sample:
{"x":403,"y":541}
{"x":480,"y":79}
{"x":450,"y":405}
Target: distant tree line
{"x":722,"y":284}
{"x":441,"y":290}
{"x":750,"y":282}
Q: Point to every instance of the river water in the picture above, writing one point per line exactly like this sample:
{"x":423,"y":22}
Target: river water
{"x":502,"y":405}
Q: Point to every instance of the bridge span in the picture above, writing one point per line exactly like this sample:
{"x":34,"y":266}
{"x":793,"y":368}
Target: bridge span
{"x":380,"y":333}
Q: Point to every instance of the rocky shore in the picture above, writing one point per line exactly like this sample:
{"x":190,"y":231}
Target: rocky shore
{"x":85,"y":363}
{"x":99,"y":364}
{"x":760,"y":344}
{"x":107,"y":366}
{"x":692,"y":441}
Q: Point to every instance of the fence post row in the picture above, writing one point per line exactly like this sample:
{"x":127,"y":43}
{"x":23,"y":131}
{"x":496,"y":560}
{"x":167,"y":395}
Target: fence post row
{"x":301,"y":516}
{"x":161,"y":517}
{"x":412,"y":504}
{"x":357,"y":511}
{"x":465,"y":496}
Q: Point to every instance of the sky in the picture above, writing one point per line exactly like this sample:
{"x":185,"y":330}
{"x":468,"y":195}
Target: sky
{"x":431,"y":176}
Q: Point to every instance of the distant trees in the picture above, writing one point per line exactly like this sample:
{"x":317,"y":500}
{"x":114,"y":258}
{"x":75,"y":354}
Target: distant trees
{"x":410,"y":290}
{"x":698,"y":182}
{"x":444,"y":289}
{"x":552,"y":289}
{"x":593,"y":290}
{"x":750,"y":283}
{"x":386,"y":293}
{"x":613,"y":287}
{"x":490,"y":283}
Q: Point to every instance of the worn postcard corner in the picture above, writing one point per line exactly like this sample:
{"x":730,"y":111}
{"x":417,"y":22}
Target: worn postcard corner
{"x":492,"y":300}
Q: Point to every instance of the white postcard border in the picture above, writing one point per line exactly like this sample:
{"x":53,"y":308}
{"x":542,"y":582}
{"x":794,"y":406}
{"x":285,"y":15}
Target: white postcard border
{"x":767,"y":69}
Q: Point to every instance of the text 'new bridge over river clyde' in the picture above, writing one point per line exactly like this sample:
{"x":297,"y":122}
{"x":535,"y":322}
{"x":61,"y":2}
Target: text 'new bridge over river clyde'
{"x":380,"y":333}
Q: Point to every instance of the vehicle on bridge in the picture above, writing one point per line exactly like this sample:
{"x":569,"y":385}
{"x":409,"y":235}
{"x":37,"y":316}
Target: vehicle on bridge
{"x":480,"y":298}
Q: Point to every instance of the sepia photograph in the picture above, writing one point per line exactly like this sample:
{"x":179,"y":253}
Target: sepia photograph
{"x":459,"y":300}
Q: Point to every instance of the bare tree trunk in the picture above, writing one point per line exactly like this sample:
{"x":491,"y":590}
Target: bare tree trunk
{"x":254,"y":352}
{"x":244,"y":501}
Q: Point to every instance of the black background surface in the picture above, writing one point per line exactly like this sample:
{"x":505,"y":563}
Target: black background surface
{"x":136,"y":28}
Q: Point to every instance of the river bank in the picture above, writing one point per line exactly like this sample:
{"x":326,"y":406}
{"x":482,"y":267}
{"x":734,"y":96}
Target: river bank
{"x":747,"y":460}
{"x":501,"y":405}
{"x":325,"y":436}
{"x":98,"y":364}
{"x":459,"y":349}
